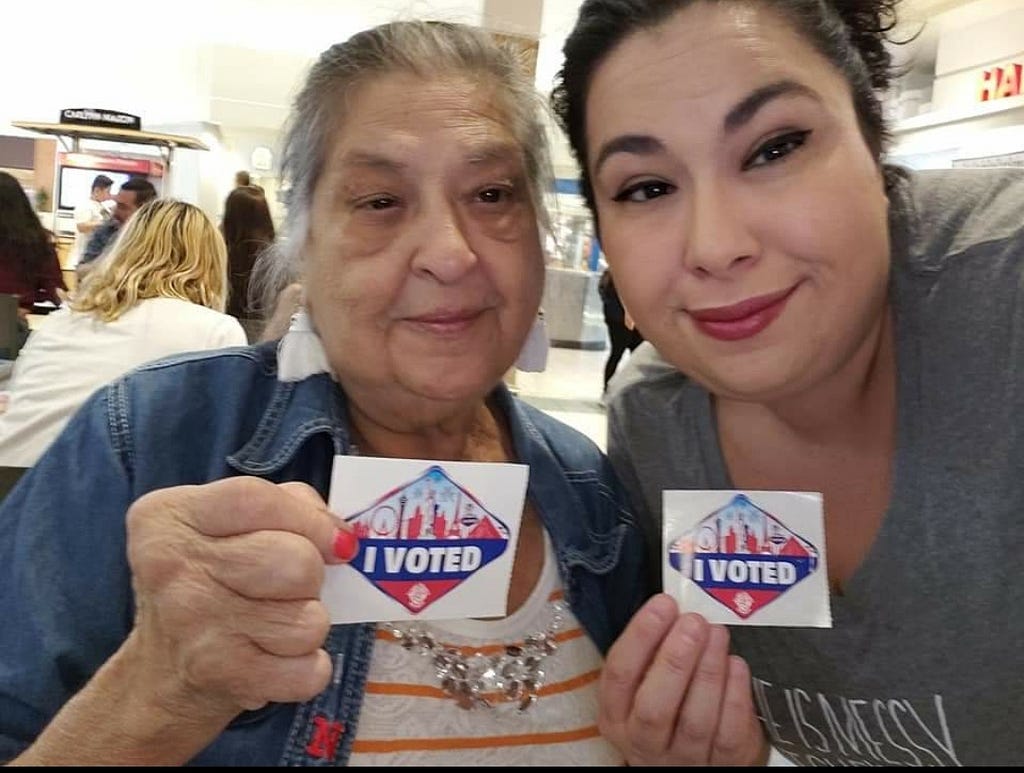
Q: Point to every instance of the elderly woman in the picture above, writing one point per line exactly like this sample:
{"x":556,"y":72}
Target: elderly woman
{"x":163,"y":561}
{"x":822,"y":322}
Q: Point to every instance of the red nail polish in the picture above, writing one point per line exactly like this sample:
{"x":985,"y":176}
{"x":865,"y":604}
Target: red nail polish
{"x":346,"y":544}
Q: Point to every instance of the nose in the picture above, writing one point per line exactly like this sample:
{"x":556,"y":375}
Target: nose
{"x":720,"y":240}
{"x":442,"y":251}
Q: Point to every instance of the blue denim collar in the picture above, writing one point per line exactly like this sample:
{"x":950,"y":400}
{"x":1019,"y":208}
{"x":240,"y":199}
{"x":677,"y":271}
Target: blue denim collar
{"x":297,"y":411}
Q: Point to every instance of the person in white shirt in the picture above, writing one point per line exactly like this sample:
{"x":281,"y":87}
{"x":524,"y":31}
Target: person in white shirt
{"x":91,"y":214}
{"x":160,"y":291}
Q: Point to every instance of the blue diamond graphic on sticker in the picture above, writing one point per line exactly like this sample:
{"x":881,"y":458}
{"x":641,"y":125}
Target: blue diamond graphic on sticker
{"x":743,"y":556}
{"x":419,"y":541}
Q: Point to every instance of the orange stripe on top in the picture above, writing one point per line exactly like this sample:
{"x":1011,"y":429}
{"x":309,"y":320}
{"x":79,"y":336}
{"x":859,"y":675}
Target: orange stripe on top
{"x":487,"y":742}
{"x":486,"y":649}
{"x":428,"y":691}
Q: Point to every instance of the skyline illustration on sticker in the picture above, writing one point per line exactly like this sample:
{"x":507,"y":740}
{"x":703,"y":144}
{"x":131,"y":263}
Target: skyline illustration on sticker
{"x":743,"y":556}
{"x":422,"y":539}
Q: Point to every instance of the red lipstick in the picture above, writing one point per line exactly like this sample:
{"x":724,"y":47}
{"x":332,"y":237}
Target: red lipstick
{"x":741,"y":320}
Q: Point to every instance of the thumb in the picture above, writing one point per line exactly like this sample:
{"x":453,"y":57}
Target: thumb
{"x":336,"y":540}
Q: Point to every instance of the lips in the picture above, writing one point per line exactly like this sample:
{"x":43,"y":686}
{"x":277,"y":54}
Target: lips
{"x":445,"y":317}
{"x":445,"y":321}
{"x":744,"y":319}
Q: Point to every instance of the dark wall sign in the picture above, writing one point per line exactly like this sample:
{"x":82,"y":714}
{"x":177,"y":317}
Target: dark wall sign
{"x":91,"y":116}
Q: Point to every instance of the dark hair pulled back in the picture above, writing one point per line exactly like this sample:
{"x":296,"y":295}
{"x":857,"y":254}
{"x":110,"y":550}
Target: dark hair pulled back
{"x":850,"y":34}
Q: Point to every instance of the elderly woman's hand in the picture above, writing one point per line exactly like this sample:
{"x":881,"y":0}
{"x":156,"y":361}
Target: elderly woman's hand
{"x":227,"y":581}
{"x":670,"y":693}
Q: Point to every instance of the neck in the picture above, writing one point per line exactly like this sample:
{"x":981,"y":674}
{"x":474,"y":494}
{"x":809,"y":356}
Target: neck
{"x":851,"y":403}
{"x":467,"y":432}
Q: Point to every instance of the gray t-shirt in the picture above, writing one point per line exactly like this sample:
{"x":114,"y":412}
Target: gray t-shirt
{"x":924,"y":664}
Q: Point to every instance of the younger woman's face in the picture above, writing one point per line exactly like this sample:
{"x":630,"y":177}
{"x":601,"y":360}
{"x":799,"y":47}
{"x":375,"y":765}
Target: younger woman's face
{"x":741,"y":211}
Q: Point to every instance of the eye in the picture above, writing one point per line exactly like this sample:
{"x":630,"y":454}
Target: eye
{"x":494,"y":195}
{"x":644,"y":191}
{"x":379,"y":203}
{"x":777,"y":148}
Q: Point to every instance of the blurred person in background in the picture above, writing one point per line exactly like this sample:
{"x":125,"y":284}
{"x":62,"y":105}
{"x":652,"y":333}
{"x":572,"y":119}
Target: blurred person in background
{"x":161,"y":291}
{"x":91,"y":214}
{"x":136,"y":192}
{"x":622,"y":333}
{"x":247,"y":229}
{"x":28,"y":258}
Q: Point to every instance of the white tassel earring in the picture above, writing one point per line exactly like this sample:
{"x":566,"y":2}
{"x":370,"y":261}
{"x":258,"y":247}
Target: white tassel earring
{"x":300,"y":354}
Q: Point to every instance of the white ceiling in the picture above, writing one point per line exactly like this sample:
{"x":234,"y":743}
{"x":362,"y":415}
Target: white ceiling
{"x":251,"y":86}
{"x":241,"y":99}
{"x":243,"y":59}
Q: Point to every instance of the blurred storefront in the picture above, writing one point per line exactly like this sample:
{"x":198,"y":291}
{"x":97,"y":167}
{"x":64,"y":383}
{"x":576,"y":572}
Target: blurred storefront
{"x":94,"y":142}
{"x":971,"y":113}
{"x":572,"y":306}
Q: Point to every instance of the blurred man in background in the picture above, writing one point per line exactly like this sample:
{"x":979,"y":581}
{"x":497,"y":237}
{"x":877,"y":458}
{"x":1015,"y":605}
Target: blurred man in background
{"x":133,"y":194}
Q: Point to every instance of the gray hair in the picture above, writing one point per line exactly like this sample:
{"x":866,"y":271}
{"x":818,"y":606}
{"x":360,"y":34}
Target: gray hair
{"x":423,"y":48}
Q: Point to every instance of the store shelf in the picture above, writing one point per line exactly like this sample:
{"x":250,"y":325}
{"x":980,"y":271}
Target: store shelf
{"x":80,"y":131}
{"x":979,"y":111}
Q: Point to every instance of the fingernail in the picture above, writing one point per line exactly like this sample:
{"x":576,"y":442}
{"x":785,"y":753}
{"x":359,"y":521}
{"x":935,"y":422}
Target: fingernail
{"x":664,"y":607}
{"x":346,"y":544}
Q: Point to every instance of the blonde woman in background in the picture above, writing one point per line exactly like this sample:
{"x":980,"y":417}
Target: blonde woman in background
{"x":160,"y":291}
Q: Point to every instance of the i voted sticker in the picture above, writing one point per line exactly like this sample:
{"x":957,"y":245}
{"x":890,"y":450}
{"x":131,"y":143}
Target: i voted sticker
{"x":420,"y":540}
{"x":436,"y":539}
{"x":755,"y":558}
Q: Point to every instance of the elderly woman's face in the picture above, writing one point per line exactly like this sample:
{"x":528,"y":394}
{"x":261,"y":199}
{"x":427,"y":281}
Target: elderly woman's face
{"x":742,"y":213}
{"x":423,"y":264}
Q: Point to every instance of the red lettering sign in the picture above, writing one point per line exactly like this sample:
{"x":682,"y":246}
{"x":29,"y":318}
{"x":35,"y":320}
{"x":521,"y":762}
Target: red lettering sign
{"x":1009,"y":86}
{"x":1000,"y":82}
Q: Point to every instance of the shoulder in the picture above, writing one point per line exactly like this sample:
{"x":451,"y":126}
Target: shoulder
{"x":649,"y":395}
{"x":947,"y":213}
{"x":187,"y":313}
{"x":218,"y":384}
{"x":105,"y":231}
{"x":236,"y":365}
{"x":646,"y":377}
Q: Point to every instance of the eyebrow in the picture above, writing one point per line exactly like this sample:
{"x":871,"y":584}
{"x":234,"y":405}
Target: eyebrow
{"x":747,"y":108}
{"x":635,"y":144}
{"x":494,"y":151}
{"x":740,"y":114}
{"x":372,"y":160}
{"x":482,"y":154}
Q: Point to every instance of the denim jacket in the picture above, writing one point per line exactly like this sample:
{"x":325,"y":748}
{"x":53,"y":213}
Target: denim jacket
{"x":65,"y":592}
